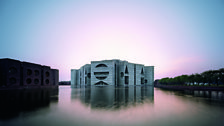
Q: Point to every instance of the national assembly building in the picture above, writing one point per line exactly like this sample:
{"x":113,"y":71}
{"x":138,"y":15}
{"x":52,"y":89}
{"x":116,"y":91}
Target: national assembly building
{"x":112,"y":72}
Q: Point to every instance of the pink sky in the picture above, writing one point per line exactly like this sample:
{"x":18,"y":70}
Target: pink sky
{"x":176,"y":37}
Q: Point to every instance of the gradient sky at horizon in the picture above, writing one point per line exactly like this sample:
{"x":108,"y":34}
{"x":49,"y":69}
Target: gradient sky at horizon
{"x":177,"y":37}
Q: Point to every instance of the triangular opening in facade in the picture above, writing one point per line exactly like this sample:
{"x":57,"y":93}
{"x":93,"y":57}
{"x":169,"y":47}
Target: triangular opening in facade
{"x":142,"y":72}
{"x":101,"y":83}
{"x":126,"y":70}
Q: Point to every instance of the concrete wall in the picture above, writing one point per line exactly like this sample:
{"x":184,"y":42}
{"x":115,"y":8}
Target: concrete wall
{"x":116,"y":72}
{"x":74,"y":78}
{"x":78,"y":81}
{"x":103,"y":69}
{"x":87,"y":74}
{"x":46,"y":76}
{"x":139,"y":75}
{"x":131,"y":73}
{"x":32,"y":74}
{"x":81,"y":76}
{"x":10,"y":73}
{"x":113,"y":72}
{"x":84,"y":76}
{"x":127,"y":71}
{"x":55,"y":78}
{"x":16,"y":74}
{"x":149,"y":75}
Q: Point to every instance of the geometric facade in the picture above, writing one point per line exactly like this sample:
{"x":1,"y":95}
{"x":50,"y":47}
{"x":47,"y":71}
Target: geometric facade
{"x":15,"y":74}
{"x":112,"y":72}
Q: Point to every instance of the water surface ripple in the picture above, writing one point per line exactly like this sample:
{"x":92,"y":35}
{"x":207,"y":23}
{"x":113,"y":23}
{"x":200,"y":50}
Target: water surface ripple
{"x":109,"y":106}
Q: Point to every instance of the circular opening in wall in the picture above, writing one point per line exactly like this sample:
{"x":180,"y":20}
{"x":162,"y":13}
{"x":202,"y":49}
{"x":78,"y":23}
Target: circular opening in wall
{"x":28,"y":81}
{"x":146,"y":81}
{"x":29,"y":71}
{"x":47,"y":81}
{"x":89,"y":75}
{"x":12,"y":70}
{"x":122,"y":74}
{"x":36,"y":72}
{"x":12,"y":80}
{"x":47,"y":74}
{"x":36,"y":81}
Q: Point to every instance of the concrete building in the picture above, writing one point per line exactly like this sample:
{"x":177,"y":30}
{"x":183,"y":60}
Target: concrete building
{"x":112,"y":72}
{"x":15,"y":74}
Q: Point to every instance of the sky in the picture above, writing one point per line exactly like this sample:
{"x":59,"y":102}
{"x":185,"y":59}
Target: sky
{"x":176,"y":36}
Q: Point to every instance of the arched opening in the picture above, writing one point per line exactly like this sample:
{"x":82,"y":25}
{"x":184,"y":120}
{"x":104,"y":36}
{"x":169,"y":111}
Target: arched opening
{"x":146,"y":81}
{"x":101,"y":65}
{"x":122,"y":74}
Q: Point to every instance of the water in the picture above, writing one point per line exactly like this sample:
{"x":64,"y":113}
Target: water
{"x":100,"y":106}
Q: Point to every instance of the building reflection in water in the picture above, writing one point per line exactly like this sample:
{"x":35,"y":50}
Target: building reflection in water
{"x":14,"y":102}
{"x":111,"y":97}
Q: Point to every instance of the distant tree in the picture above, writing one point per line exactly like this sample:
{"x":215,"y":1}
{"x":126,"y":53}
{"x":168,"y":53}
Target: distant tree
{"x":164,"y":81}
{"x":191,"y":78}
{"x":197,"y":78}
{"x":177,"y":80}
{"x":203,"y":79}
{"x":208,"y":76}
{"x":215,"y":77}
{"x":171,"y":81}
{"x":221,"y":75}
{"x":184,"y":79}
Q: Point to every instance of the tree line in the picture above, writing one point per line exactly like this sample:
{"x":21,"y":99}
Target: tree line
{"x":210,"y":77}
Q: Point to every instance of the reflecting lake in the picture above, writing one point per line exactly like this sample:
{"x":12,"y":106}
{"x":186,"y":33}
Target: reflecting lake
{"x":108,"y":105}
